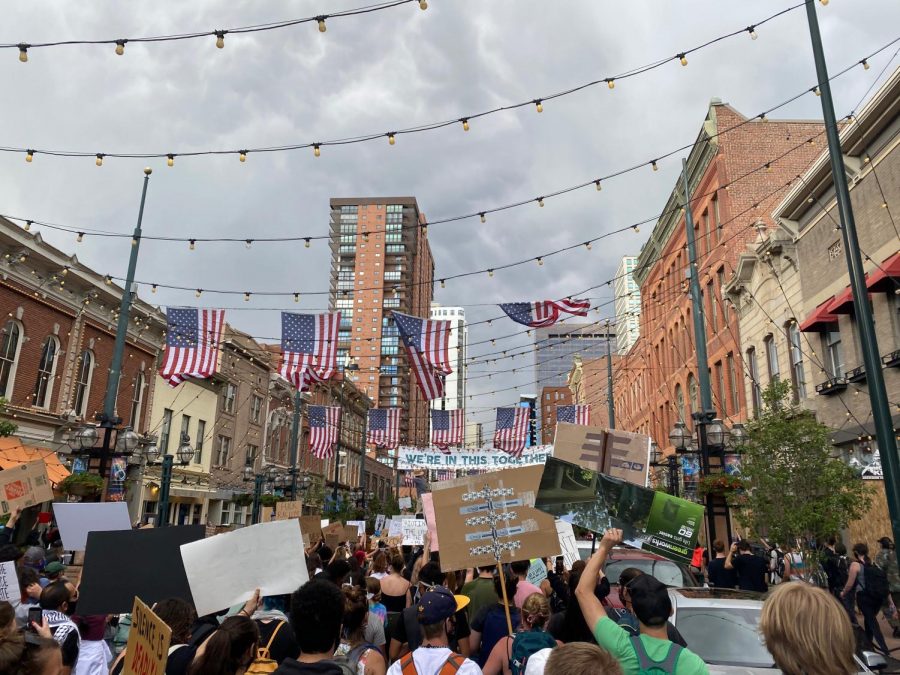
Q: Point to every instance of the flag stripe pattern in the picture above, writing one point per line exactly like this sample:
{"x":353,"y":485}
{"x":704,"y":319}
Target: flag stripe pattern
{"x":511,"y":430}
{"x":447,"y":427}
{"x":384,"y":427}
{"x":574,"y":414}
{"x":324,"y":421}
{"x":542,"y":313}
{"x":308,"y":347}
{"x":409,"y":479}
{"x":427,"y":345}
{"x":193,"y":337}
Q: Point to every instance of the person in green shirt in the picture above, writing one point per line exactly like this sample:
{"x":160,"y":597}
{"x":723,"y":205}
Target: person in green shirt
{"x":652,"y":606}
{"x":480,"y":591}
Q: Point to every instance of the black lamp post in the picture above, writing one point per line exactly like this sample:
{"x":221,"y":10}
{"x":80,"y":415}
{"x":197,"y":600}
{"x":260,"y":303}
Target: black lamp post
{"x":184,"y":453}
{"x":84,"y":443}
{"x":269,"y":475}
{"x":670,"y":463}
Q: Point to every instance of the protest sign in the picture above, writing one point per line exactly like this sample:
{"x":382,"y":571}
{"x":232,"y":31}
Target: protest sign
{"x":537,"y":572}
{"x":153,"y":563}
{"x":266,"y":514}
{"x":9,"y":582}
{"x":311,"y":526}
{"x":338,"y":533}
{"x":379,"y":524}
{"x":396,"y":528}
{"x":567,"y":543}
{"x":75,"y":520}
{"x":24,"y":485}
{"x":359,"y":524}
{"x":288,"y":510}
{"x":225,"y":569}
{"x":428,"y":510}
{"x":405,"y":503}
{"x":148,"y":642}
{"x":651,"y":520}
{"x":414,"y":530}
{"x":620,"y":454}
{"x":489,"y":459}
{"x":466,"y":539}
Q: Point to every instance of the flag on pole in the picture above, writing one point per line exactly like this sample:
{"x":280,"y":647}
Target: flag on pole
{"x":427,"y":345}
{"x":323,"y":429}
{"x":447,"y":427}
{"x":384,"y":427}
{"x":193,"y":337}
{"x":574,"y":414}
{"x":511,"y":430}
{"x":308,"y":347}
{"x":542,"y":313}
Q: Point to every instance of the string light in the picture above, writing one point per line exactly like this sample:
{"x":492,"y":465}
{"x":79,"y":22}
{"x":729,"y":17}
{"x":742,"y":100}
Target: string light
{"x":306,"y":242}
{"x":635,"y":228}
{"x":598,"y":184}
{"x":28,"y":225}
{"x":296,"y":297}
{"x":490,"y":273}
{"x":443,"y":283}
{"x":865,"y":64}
{"x":80,"y":237}
{"x":540,"y":261}
{"x":824,"y":2}
{"x":246,"y":297}
{"x":423,"y":5}
{"x":391,"y":139}
{"x":540,"y":202}
{"x":248,"y":243}
{"x":153,"y":288}
{"x":192,"y":244}
{"x":243,"y":156}
{"x":752,"y":31}
{"x":108,"y":280}
{"x":587,"y":245}
{"x":23,"y":52}
{"x":316,"y":149}
{"x":120,"y":47}
{"x":483,"y":219}
{"x":816,"y":91}
{"x":29,"y":155}
{"x":763,"y":118}
{"x":198,"y":292}
{"x":654,"y":165}
{"x":321,"y":22}
{"x":465,"y":123}
{"x":220,"y":39}
{"x":99,"y":160}
{"x":538,"y":105}
{"x":170,"y":159}
{"x":610,"y":82}
{"x":683,"y":59}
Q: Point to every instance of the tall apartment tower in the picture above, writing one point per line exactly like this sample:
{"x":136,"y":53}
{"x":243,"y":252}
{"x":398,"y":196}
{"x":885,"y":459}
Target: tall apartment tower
{"x":455,"y":384}
{"x":628,"y":305}
{"x":381,"y":261}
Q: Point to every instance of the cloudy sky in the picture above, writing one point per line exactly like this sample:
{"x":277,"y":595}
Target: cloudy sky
{"x":375,"y":73}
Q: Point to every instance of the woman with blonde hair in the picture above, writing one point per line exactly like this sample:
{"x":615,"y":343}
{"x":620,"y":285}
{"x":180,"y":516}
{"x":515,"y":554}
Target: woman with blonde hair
{"x":807,"y":631}
{"x":504,"y":656}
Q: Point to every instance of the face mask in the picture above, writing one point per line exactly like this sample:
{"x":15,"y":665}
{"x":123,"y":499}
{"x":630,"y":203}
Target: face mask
{"x":70,"y":610}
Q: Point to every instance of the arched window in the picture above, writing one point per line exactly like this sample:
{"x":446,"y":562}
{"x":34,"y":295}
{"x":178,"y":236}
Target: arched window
{"x":693,"y":393}
{"x":679,"y":402}
{"x":137,"y":399}
{"x":10,"y":344}
{"x":83,"y":384}
{"x":43,"y":388}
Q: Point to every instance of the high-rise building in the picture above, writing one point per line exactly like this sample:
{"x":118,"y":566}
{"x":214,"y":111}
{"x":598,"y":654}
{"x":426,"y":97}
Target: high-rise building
{"x":555,"y":346}
{"x":628,"y":304}
{"x":381,"y":261}
{"x":455,"y":383}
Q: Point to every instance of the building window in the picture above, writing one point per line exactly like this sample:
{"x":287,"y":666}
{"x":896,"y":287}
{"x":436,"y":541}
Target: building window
{"x":720,"y":282}
{"x":228,"y":395}
{"x":252,"y":454}
{"x":83,"y":384}
{"x":834,"y":355}
{"x":165,"y":432}
{"x":753,"y":367}
{"x":716,"y":222}
{"x":223,"y":450}
{"x":679,"y":402}
{"x":693,"y":393}
{"x":772,"y":358}
{"x":720,"y":388}
{"x":185,"y":428}
{"x":732,"y":381}
{"x":798,"y":381}
{"x":137,"y":400}
{"x":711,"y":300}
{"x":198,"y":442}
{"x":9,"y":356}
{"x":255,"y":409}
{"x":43,"y":388}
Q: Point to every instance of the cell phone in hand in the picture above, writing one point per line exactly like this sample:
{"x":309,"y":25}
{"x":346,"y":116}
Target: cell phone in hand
{"x":35,"y":615}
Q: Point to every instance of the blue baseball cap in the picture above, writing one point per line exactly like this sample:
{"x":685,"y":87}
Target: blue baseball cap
{"x":438,"y":604}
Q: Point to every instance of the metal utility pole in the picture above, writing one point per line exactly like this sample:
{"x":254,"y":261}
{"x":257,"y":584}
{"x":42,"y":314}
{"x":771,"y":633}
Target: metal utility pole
{"x":610,"y":404}
{"x":881,"y":409}
{"x":165,"y":483}
{"x":295,"y":442}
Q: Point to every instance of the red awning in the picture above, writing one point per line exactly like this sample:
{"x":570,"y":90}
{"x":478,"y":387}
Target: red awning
{"x":843,"y":303}
{"x":883,"y":278}
{"x":821,"y":319}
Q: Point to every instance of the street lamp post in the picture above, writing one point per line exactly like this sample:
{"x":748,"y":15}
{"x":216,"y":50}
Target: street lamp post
{"x":269,"y":475}
{"x":670,"y":463}
{"x":185,"y":452}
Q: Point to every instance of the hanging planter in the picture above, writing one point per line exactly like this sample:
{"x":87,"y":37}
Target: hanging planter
{"x":81,"y":484}
{"x":720,"y":484}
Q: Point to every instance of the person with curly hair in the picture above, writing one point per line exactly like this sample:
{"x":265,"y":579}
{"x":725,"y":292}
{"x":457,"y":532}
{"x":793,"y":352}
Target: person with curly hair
{"x":535,"y":615}
{"x":360,"y":654}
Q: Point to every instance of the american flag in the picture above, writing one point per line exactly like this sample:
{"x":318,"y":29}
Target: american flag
{"x":511,"y":430}
{"x":323,"y":429}
{"x":427,"y":345}
{"x":574,"y":414}
{"x":409,"y":479}
{"x":308,"y":347}
{"x":543,"y":313}
{"x":384,"y":427}
{"x":444,"y":474}
{"x":447,"y":427}
{"x":192,"y":343}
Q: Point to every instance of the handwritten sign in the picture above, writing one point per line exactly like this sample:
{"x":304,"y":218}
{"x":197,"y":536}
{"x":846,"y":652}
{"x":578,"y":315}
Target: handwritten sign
{"x":396,"y":528}
{"x":537,"y":572}
{"x":148,"y":642}
{"x":24,"y":485}
{"x":567,"y":543}
{"x":288,"y":510}
{"x":9,"y":582}
{"x":414,"y":531}
{"x":405,"y":503}
{"x":379,"y":524}
{"x":360,"y":526}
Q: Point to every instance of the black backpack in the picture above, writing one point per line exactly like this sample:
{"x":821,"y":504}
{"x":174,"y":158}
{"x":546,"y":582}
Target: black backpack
{"x":843,"y":571}
{"x":876,"y":587}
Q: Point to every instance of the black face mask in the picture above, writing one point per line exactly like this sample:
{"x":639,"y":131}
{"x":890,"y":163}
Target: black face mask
{"x":70,"y":609}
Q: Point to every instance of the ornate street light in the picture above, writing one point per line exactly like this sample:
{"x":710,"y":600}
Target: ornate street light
{"x":85,"y":438}
{"x":717,"y":434}
{"x":248,"y":473}
{"x":185,"y":451}
{"x":126,"y":442}
{"x":151,"y":452}
{"x":739,"y":436}
{"x":679,"y":437}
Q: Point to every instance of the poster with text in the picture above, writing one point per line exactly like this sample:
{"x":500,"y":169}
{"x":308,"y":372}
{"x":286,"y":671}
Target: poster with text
{"x":24,"y":485}
{"x":148,"y":642}
{"x":428,"y":510}
{"x":568,"y":545}
{"x":414,"y":530}
{"x":621,"y":454}
{"x":379,"y":524}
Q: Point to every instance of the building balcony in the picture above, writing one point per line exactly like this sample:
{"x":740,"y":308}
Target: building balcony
{"x":856,"y":375}
{"x":891,"y":360}
{"x":830,"y":387}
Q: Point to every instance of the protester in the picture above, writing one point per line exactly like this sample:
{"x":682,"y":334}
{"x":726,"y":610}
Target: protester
{"x":652,"y":606}
{"x":434,"y":657}
{"x":480,"y":591}
{"x":578,"y":658}
{"x":751,"y":569}
{"x":30,"y":593}
{"x":886,"y":559}
{"x":395,"y":588}
{"x":718,"y":576}
{"x":38,"y":654}
{"x":275,"y":634}
{"x":806,"y":632}
{"x":7,"y":530}
{"x":179,"y":616}
{"x":524,"y":588}
{"x":376,"y":607}
{"x":626,"y":619}
{"x":511,"y":653}
{"x":229,"y":650}
{"x":379,"y":566}
{"x":364,"y":656}
{"x":93,"y":654}
{"x":868,"y":605}
{"x":490,"y":624}
{"x":831,"y":567}
{"x":794,"y":565}
{"x":57,"y":602}
{"x":699,"y":559}
{"x":569,"y":625}
{"x":556,"y":586}
{"x":776,"y":565}
{"x":847,"y":600}
{"x":54,"y":571}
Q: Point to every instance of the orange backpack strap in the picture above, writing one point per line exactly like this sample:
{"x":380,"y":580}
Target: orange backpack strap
{"x":266,"y":652}
{"x":452,"y":664}
{"x":408,"y":666}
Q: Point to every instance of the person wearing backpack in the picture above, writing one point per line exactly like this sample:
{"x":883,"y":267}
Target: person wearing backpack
{"x":870,"y":584}
{"x":510,"y":655}
{"x":651,"y":651}
{"x":276,"y":639}
{"x":360,"y":654}
{"x":436,"y":608}
{"x":886,"y":559}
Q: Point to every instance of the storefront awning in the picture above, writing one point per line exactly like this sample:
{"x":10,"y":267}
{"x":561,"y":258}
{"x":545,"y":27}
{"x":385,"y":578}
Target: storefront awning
{"x":821,"y":318}
{"x":886,"y":278}
{"x":13,"y":452}
{"x":843,"y":302}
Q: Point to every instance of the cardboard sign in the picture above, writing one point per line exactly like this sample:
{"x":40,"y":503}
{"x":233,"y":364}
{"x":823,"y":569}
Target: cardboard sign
{"x":148,"y":642}
{"x":428,"y":510}
{"x":567,"y":543}
{"x":288,"y":510}
{"x":466,"y":539}
{"x":146,"y":563}
{"x":24,"y":485}
{"x":75,"y":520}
{"x":360,"y":526}
{"x":405,"y":502}
{"x":414,"y":530}
{"x":537,"y":572}
{"x":266,"y":514}
{"x":379,"y":524}
{"x":9,"y":582}
{"x":311,"y":526}
{"x":338,"y":533}
{"x":224,"y":570}
{"x":621,"y":454}
{"x":651,"y":520}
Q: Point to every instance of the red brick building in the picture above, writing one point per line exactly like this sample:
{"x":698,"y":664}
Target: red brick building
{"x":738,"y":171}
{"x":551,"y":398}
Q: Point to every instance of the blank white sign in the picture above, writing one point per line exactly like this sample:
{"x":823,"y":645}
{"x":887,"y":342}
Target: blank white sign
{"x":75,"y":520}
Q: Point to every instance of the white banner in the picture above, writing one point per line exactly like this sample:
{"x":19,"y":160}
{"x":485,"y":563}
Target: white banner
{"x":484,"y":459}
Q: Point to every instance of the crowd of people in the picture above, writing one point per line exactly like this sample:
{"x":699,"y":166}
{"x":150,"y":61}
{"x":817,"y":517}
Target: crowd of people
{"x":393,"y":611}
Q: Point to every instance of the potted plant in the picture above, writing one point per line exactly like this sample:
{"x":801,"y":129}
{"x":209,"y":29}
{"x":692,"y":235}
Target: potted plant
{"x":721,"y":484}
{"x":81,"y":484}
{"x":242,"y":499}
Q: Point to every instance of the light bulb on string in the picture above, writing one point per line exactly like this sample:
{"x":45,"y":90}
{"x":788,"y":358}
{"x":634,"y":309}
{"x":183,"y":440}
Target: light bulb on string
{"x":865,"y":64}
{"x":321,"y":21}
{"x":587,"y":245}
{"x":247,"y":297}
{"x":538,"y":105}
{"x":423,"y":5}
{"x":824,"y":2}
{"x":635,"y":228}
{"x":220,"y":39}
{"x":108,"y":280}
{"x":391,"y":139}
{"x":654,"y":166}
{"x":763,"y":118}
{"x":153,"y":288}
{"x":99,"y":160}
{"x":28,"y":225}
{"x":198,"y":292}
{"x":443,"y":283}
{"x":752,"y":31}
{"x":23,"y":52}
{"x":598,"y":185}
{"x":540,"y":202}
{"x":540,"y":261}
{"x":465,"y":123}
{"x":29,"y":155}
{"x":192,"y":244}
{"x":120,"y":47}
{"x":611,"y":82}
{"x":316,"y":151}
{"x":683,"y":59}
{"x":816,"y":91}
{"x":306,"y":242}
{"x":248,"y":243}
{"x":296,"y":297}
{"x":490,"y":273}
{"x":80,"y":237}
{"x":170,"y":159}
{"x":483,"y":219}
{"x":242,"y":155}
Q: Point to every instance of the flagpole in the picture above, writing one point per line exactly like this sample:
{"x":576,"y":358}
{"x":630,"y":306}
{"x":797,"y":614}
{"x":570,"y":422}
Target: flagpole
{"x":295,"y":442}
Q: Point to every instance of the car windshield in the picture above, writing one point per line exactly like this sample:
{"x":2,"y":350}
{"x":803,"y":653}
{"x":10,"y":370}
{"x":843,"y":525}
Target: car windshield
{"x":724,"y":636}
{"x":669,"y":573}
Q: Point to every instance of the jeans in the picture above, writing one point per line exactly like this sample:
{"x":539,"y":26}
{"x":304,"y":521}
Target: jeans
{"x":873,"y":630}
{"x":849,"y":603}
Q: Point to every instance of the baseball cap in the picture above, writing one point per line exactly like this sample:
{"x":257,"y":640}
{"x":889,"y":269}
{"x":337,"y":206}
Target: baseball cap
{"x":650,"y":600}
{"x":54,"y":568}
{"x":438,"y":604}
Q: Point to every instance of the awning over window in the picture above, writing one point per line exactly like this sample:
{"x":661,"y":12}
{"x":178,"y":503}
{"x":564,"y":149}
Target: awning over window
{"x":13,"y":452}
{"x":843,"y":302}
{"x":821,"y":318}
{"x":886,"y":277}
